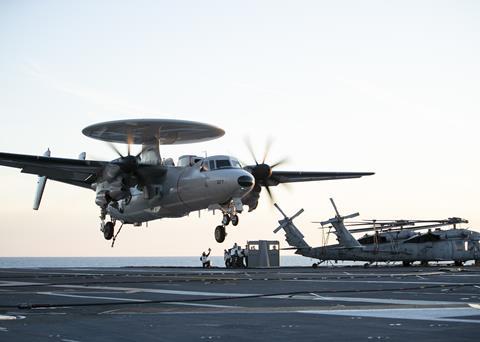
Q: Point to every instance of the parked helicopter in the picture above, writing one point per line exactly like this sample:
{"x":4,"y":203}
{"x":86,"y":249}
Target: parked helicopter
{"x":139,"y":188}
{"x":392,"y":240}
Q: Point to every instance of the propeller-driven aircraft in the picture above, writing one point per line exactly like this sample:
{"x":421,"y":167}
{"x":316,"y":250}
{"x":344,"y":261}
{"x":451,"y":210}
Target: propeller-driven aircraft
{"x":134,"y":189}
{"x":392,"y":240}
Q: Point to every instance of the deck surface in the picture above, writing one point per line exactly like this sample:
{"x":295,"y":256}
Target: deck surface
{"x":284,"y":304}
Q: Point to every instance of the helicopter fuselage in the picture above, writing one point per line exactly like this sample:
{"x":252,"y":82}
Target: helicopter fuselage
{"x":453,"y":244}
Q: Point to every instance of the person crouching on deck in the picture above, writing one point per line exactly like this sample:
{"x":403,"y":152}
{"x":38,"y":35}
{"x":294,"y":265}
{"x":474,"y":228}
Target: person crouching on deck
{"x":205,"y":260}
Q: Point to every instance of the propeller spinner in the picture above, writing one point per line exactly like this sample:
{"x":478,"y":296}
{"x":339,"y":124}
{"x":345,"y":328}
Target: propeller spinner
{"x":129,"y":165}
{"x":262,"y":172}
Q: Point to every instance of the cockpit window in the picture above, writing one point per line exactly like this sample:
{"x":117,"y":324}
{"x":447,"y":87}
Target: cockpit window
{"x":236,"y":163}
{"x":223,"y":164}
{"x":427,"y":237}
{"x":204,"y":166}
{"x":217,"y":164}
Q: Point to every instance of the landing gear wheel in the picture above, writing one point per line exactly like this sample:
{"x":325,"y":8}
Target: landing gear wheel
{"x":220,"y":234}
{"x":226,"y":220}
{"x":458,"y":263}
{"x":235,"y":220}
{"x":108,"y":230}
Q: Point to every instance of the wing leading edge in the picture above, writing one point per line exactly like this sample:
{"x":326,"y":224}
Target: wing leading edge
{"x":278,"y":177}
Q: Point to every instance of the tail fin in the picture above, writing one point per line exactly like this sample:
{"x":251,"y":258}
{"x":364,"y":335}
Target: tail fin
{"x":293,"y":236}
{"x":344,"y":237}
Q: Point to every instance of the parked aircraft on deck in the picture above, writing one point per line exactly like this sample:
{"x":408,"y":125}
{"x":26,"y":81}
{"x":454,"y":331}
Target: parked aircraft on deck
{"x":392,"y":240}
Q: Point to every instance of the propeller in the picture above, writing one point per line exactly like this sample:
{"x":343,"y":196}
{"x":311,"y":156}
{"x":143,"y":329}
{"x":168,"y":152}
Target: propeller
{"x":129,"y":164}
{"x":261,"y":171}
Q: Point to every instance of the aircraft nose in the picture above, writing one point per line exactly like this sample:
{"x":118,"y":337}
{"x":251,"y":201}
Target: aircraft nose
{"x":246,"y":181}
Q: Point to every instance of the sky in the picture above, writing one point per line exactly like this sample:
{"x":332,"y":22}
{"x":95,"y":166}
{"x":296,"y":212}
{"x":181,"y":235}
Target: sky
{"x":385,"y":86}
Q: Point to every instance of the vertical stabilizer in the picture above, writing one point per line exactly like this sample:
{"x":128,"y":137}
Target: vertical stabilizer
{"x":344,"y":237}
{"x":293,"y":236}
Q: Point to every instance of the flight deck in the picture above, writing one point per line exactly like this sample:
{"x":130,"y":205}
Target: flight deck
{"x":281,"y":304}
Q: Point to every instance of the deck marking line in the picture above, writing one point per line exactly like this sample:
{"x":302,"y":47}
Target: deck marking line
{"x":369,"y":300}
{"x":18,"y":283}
{"x":202,"y":305}
{"x":425,"y":314}
{"x":174,"y":292}
{"x":377,"y":282}
{"x":91,"y":297}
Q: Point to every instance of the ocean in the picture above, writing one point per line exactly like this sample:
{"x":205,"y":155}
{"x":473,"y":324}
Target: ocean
{"x":184,"y":261}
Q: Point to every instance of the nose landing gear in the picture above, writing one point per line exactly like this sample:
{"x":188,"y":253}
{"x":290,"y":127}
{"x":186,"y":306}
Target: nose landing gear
{"x":226,"y":219}
{"x":220,"y":231}
{"x":220,"y":234}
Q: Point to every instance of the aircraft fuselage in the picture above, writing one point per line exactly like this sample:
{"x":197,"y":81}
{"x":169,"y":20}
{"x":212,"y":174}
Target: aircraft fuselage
{"x":182,"y":190}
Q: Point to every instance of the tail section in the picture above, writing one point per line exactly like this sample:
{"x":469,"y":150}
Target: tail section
{"x":344,"y":237}
{"x":293,"y":236}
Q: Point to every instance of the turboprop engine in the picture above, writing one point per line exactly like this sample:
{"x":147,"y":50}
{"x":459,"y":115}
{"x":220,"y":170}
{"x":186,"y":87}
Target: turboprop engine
{"x":122,"y":174}
{"x":113,"y":187}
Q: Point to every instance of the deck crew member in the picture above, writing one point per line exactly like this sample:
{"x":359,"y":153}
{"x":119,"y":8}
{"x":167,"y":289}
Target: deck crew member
{"x":205,"y":260}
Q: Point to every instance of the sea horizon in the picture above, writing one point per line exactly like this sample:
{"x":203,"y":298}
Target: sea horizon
{"x":129,"y":261}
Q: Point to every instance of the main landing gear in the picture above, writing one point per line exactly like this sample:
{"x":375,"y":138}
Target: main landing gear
{"x":220,"y":231}
{"x":108,"y":230}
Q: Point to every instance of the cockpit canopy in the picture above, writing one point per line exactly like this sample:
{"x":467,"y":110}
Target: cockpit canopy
{"x":210,"y":163}
{"x":221,"y":162}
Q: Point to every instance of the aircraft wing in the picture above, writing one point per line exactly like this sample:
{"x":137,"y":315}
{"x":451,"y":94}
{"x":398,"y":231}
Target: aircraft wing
{"x":278,"y":177}
{"x":71,"y":171}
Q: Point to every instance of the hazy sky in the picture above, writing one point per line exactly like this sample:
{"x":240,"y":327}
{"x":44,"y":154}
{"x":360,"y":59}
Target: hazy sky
{"x":384,"y":86}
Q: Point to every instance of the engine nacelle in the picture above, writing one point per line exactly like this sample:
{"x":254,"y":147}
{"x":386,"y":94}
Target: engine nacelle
{"x":251,"y":199}
{"x":111,"y":172}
